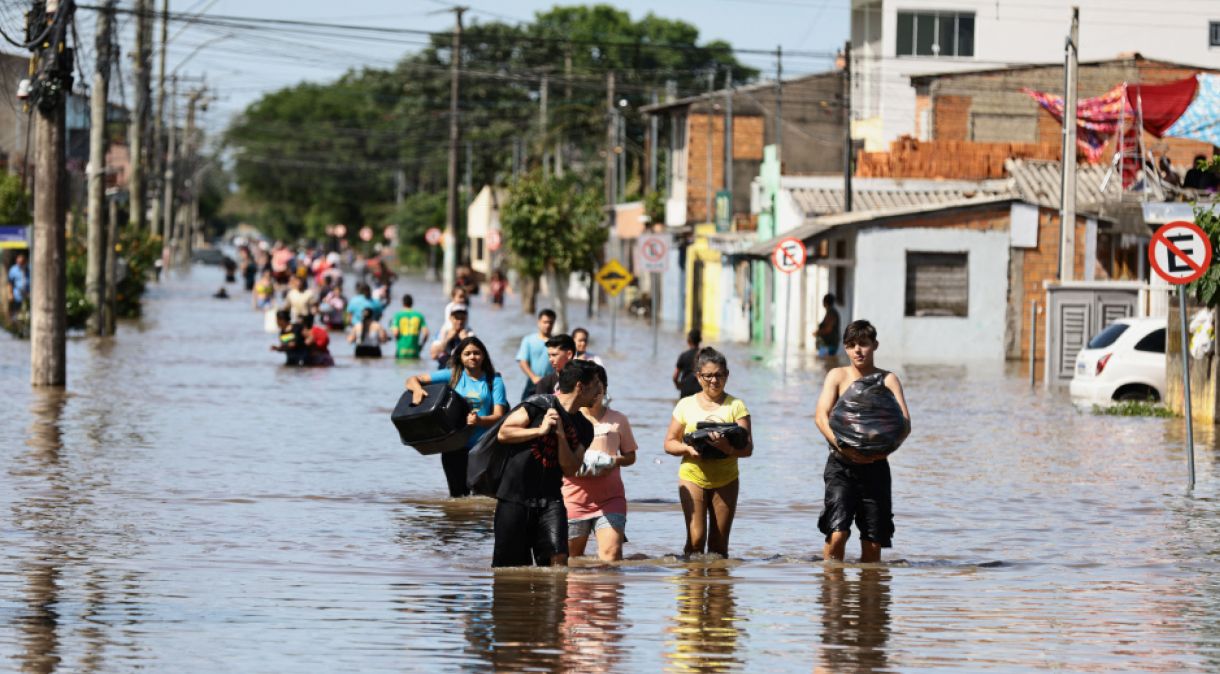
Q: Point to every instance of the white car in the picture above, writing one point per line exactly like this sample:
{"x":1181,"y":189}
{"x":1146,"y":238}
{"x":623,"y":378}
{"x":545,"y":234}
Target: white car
{"x":1125,"y":361}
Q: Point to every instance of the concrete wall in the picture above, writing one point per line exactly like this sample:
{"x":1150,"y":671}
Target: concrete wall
{"x":1010,"y":31}
{"x":881,"y":293}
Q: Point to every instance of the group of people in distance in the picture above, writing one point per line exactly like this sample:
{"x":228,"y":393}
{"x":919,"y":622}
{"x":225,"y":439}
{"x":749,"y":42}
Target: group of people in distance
{"x":565,"y":445}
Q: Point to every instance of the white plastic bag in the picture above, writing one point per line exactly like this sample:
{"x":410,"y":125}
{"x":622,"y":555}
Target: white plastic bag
{"x":269,"y":321}
{"x":1202,"y":334}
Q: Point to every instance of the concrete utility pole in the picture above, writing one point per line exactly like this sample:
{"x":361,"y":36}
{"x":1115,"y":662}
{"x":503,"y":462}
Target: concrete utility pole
{"x":711,"y":188}
{"x":160,"y":220}
{"x":95,"y":280}
{"x":1067,"y":197}
{"x":190,"y":151}
{"x":167,"y":180}
{"x":137,"y":188}
{"x":611,"y":165}
{"x":543,"y":88}
{"x":449,"y":241}
{"x":779,"y":106}
{"x":111,"y":269}
{"x":728,"y":129}
{"x":561,"y":146}
{"x":848,"y":154}
{"x":52,"y":64}
{"x":653,"y":139}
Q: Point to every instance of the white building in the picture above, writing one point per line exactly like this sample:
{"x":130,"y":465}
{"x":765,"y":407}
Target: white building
{"x":894,"y":39}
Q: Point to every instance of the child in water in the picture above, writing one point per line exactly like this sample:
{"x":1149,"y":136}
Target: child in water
{"x":857,"y":485}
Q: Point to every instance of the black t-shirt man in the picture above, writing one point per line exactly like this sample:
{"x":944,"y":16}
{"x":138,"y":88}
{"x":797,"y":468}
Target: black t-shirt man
{"x":688,"y":383}
{"x":532,"y":477}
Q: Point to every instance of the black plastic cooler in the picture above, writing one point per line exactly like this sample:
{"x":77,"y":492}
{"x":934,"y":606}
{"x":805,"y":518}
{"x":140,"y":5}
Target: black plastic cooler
{"x":436,"y":425}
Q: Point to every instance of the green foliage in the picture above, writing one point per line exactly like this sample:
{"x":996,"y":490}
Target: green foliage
{"x":138,"y":251}
{"x":553,"y":224}
{"x":418,"y":213}
{"x":1206,"y":290}
{"x":14,"y":201}
{"x":1133,"y":408}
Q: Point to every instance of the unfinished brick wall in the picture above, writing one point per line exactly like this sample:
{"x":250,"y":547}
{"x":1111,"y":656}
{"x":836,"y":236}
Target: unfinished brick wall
{"x":747,"y":144}
{"x":1039,"y":265}
{"x":951,"y":117}
{"x":981,"y":219}
{"x":948,"y":159}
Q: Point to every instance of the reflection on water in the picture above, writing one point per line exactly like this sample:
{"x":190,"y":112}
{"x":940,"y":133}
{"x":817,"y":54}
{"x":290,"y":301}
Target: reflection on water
{"x":855,"y":607}
{"x":706,"y":629}
{"x":193,"y":505}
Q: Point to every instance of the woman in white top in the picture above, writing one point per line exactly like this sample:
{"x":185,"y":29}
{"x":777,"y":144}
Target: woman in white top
{"x":368,"y":336}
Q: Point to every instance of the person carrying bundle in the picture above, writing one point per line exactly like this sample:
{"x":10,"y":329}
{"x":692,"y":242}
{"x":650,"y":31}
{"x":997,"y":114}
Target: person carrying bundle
{"x":863,"y":415}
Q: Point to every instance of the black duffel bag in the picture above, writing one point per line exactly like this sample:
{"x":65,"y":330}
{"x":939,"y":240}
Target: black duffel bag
{"x":438,"y":424}
{"x":736,"y":434}
{"x":485,"y":466}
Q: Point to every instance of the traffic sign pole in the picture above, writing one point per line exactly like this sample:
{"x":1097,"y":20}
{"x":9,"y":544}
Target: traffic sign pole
{"x":656,"y":283}
{"x":788,"y":257}
{"x":1190,"y":426}
{"x":1182,"y":242}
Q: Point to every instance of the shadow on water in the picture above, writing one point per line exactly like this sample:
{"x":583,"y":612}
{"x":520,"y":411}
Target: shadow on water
{"x":706,"y":629}
{"x":855,"y":619}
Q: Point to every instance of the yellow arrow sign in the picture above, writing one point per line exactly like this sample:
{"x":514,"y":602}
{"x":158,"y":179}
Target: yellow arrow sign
{"x":613,"y":277}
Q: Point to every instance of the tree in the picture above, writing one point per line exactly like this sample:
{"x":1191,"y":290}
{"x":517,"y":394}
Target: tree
{"x":553,"y":227}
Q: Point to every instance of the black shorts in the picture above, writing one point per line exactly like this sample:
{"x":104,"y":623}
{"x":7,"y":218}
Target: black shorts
{"x":368,"y":351}
{"x":860,"y":493}
{"x":526,"y":535}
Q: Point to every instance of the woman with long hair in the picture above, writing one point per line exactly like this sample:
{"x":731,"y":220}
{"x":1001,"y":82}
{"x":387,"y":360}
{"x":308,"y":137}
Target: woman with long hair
{"x":708,"y":477}
{"x":368,"y":336}
{"x":472,"y":376}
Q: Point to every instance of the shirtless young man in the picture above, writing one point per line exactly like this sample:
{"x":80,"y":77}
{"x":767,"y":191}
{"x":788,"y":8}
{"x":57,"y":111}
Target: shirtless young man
{"x":857,"y":486}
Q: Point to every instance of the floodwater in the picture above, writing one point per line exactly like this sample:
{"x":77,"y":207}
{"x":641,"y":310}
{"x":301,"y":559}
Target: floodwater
{"x":190,"y":505}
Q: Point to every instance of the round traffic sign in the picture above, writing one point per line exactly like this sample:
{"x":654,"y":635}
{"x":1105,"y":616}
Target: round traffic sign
{"x":1180,"y":252}
{"x":789,"y":255}
{"x":390,"y":232}
{"x":494,"y":240}
{"x":366,"y":233}
{"x":432,"y":236}
{"x":653,"y":248}
{"x":340,"y":231}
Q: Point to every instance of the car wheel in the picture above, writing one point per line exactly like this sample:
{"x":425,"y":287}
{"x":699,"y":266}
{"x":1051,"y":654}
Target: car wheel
{"x":1137,"y":393}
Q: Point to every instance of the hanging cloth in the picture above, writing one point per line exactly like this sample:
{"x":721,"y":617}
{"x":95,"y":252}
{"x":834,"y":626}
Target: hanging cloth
{"x":1161,"y":105}
{"x":1097,"y":118}
{"x":1201,"y":120}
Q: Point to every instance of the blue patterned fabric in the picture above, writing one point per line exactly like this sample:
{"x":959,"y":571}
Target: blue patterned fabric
{"x":1201,"y":121}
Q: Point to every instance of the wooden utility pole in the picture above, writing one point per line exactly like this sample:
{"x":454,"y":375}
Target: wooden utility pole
{"x":728,"y":130}
{"x":653,"y":139}
{"x":160,"y":219}
{"x":611,"y":165}
{"x":709,"y":203}
{"x":543,"y":115}
{"x":1067,"y":195}
{"x":167,"y":180}
{"x":779,"y":106}
{"x":137,"y":189}
{"x":565,"y":118}
{"x":190,"y":152}
{"x":847,"y":149}
{"x":111,"y":269}
{"x":95,"y":279}
{"x":449,"y":241}
{"x":52,"y":75}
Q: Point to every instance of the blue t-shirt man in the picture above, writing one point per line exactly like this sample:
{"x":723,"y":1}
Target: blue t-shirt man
{"x":19,"y":281}
{"x":476,"y":392}
{"x":533,"y":352}
{"x":359,"y":303}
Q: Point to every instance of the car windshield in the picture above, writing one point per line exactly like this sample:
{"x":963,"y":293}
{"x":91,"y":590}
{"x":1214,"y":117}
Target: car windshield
{"x":1108,"y":336}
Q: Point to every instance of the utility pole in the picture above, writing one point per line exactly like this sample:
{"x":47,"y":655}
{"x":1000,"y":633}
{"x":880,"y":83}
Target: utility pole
{"x":451,"y":205}
{"x":161,"y":219}
{"x":728,"y":130}
{"x":561,"y":138}
{"x":847,"y":148}
{"x":190,"y":151}
{"x":52,"y":75}
{"x":653,"y":139}
{"x":137,"y":189}
{"x":167,"y":181}
{"x":1067,"y":208}
{"x":611,"y":165}
{"x":711,"y":188}
{"x":95,"y":281}
{"x":543,"y":89}
{"x":779,"y":106}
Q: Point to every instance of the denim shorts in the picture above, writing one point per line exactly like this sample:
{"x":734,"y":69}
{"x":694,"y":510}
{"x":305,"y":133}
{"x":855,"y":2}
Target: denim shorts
{"x":582,"y":528}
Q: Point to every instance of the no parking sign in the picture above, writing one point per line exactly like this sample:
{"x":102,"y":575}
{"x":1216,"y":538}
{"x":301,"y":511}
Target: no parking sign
{"x":1180,"y":252}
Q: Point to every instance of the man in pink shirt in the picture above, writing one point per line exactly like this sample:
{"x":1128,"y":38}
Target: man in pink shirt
{"x":595,"y":498}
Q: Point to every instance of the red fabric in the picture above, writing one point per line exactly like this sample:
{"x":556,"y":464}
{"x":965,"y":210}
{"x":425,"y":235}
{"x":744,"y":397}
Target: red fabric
{"x":320,"y":337}
{"x":1161,"y":104}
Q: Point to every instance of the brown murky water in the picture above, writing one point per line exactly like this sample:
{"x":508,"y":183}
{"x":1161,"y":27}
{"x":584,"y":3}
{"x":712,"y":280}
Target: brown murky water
{"x":190,"y":505}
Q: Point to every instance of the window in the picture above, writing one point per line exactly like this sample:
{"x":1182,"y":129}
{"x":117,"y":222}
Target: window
{"x":938,"y":284}
{"x":942,"y":34}
{"x":1153,"y":342}
{"x":1214,"y":40}
{"x":1108,"y":336}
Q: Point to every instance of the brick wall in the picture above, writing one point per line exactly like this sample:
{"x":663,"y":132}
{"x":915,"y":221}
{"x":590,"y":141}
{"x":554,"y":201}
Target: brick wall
{"x":747,"y":144}
{"x":951,"y":117}
{"x":948,"y":159}
{"x":989,"y":218}
{"x":1041,"y":264}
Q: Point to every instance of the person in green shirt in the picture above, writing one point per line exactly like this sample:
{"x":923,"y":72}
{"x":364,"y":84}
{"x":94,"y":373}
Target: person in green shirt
{"x":410,"y":329}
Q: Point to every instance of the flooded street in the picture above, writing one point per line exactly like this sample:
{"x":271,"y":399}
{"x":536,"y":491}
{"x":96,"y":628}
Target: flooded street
{"x":191,"y":505}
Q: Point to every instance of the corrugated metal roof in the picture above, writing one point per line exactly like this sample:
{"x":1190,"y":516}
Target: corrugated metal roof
{"x":1037,"y":181}
{"x":818,"y":224}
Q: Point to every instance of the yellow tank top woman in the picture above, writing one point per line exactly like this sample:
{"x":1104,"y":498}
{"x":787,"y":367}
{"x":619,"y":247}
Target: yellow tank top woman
{"x":708,"y":473}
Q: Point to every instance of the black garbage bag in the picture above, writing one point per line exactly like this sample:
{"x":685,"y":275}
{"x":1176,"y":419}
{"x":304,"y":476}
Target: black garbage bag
{"x":737,"y":435}
{"x":867,"y":417}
